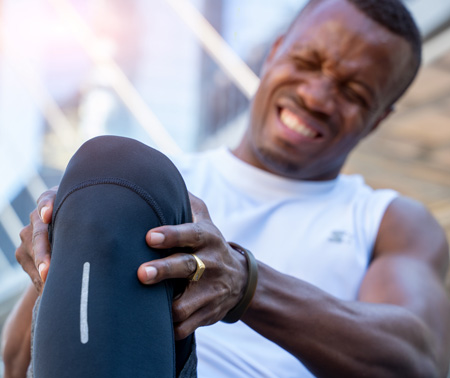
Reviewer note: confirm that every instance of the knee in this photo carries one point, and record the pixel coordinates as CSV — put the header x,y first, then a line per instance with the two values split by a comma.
x,y
119,158
110,152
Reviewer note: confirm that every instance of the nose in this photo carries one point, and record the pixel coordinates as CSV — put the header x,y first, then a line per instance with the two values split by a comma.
x,y
317,93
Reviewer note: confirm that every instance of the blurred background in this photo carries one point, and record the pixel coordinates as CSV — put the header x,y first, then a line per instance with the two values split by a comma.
x,y
178,75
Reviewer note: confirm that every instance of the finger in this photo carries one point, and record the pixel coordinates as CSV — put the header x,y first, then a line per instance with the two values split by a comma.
x,y
203,316
179,265
45,204
189,303
25,259
181,330
29,267
191,235
197,296
40,245
199,209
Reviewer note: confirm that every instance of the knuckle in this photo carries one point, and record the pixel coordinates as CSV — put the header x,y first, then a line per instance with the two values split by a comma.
x,y
37,234
165,268
200,203
209,233
24,233
180,312
199,208
190,264
176,235
19,255
216,236
198,232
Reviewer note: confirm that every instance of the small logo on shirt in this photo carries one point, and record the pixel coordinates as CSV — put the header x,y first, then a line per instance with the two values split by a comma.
x,y
340,237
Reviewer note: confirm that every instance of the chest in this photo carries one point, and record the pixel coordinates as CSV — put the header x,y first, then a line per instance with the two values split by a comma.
x,y
317,240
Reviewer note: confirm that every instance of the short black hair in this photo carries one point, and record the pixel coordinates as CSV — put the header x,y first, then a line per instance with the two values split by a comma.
x,y
394,16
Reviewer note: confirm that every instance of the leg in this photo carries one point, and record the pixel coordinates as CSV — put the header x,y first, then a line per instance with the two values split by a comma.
x,y
95,318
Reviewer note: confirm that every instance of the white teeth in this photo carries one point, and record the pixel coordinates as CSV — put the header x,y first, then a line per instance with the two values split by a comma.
x,y
292,122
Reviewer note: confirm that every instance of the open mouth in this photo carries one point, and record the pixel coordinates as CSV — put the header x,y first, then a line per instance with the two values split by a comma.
x,y
294,123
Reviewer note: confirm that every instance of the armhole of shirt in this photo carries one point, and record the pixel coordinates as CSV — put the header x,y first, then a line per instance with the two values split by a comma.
x,y
372,214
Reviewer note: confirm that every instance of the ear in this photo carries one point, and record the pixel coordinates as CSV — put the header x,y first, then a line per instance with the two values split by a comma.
x,y
275,47
382,117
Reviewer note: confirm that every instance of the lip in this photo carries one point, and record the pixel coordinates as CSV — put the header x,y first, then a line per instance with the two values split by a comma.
x,y
294,136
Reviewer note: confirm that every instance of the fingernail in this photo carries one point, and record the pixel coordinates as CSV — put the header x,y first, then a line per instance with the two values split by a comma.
x,y
156,238
151,272
41,267
43,211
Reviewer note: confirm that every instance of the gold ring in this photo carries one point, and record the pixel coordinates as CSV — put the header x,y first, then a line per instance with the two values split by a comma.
x,y
199,271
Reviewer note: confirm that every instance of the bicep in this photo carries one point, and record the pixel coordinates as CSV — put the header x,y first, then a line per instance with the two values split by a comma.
x,y
410,257
408,229
408,268
407,282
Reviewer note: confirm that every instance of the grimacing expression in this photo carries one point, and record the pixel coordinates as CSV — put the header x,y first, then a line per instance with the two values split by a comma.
x,y
324,86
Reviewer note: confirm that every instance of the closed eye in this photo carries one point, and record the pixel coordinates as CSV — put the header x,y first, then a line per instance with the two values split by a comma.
x,y
354,96
305,64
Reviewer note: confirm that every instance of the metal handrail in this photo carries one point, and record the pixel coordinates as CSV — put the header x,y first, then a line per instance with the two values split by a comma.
x,y
117,79
219,50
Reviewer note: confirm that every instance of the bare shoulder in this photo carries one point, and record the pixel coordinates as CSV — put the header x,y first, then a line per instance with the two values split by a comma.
x,y
408,268
410,230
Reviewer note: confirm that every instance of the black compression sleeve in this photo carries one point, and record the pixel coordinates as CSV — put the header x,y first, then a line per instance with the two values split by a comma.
x,y
95,318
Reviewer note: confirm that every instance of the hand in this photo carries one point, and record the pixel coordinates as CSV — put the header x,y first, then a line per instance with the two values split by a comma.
x,y
34,251
223,282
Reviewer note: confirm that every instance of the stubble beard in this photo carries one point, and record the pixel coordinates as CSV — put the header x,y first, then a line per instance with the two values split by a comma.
x,y
276,164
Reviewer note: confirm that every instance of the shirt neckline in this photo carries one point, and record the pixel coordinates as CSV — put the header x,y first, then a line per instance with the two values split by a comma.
x,y
258,182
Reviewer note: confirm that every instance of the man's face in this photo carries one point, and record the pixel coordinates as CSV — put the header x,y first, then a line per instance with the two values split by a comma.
x,y
324,86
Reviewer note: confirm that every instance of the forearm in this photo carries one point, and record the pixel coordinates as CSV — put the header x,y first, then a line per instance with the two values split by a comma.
x,y
339,338
16,336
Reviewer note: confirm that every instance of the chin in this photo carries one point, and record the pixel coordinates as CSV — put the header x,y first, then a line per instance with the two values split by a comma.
x,y
277,164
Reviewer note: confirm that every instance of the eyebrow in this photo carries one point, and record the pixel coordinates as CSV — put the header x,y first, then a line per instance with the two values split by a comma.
x,y
301,47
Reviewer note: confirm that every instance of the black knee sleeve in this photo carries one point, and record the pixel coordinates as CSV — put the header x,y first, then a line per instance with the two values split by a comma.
x,y
95,318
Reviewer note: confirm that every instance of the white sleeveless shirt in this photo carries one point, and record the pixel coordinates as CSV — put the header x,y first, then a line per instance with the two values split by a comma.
x,y
319,232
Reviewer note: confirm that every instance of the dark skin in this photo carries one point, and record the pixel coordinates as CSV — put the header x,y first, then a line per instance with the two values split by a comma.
x,y
16,338
332,78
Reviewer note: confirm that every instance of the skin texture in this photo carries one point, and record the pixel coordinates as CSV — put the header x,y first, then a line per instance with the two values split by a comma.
x,y
324,75
336,72
16,337
398,328
226,273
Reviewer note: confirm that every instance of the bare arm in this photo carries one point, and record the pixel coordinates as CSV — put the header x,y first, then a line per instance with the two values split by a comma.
x,y
16,336
399,327
33,252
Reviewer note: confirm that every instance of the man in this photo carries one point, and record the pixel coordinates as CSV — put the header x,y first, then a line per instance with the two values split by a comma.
x,y
350,279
